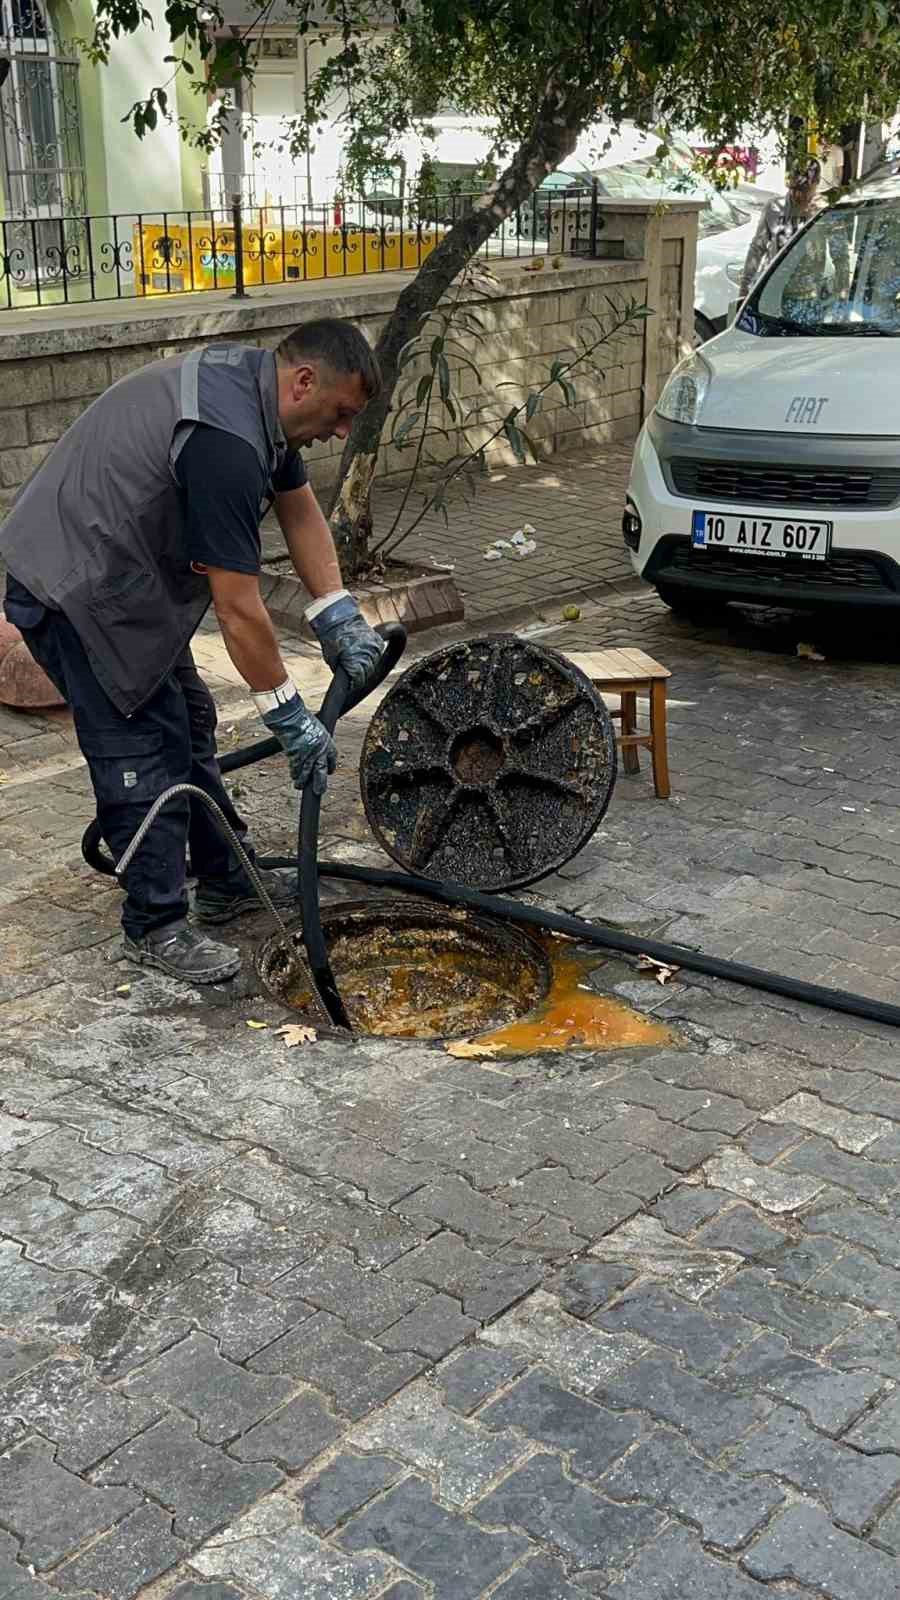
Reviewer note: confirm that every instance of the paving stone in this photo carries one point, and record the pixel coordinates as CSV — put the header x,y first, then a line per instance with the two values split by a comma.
x,y
545,1243
89,1177
485,1286
262,1251
50,1510
548,1138
223,1398
855,1276
539,1579
645,1245
772,1188
30,1295
688,1207
355,1376
590,1532
18,1356
347,1484
831,1398
797,1263
766,1141
590,1209
851,1130
292,1437
710,1416
442,1548
676,1567
702,1340
879,1429
854,1487
543,1410
681,1148
872,1345
241,1320
15,1581
641,1175
404,1591
432,1329
461,1456
805,1545
136,1552
270,1551
586,1285
721,1116
61,1401
866,1179
858,1226
808,1322
206,1488
666,1472
887,1532
474,1375
580,1355
192,1590
742,1230
365,1301
450,1201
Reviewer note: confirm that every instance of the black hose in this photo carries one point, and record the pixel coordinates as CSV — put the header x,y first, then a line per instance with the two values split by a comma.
x,y
605,938
338,700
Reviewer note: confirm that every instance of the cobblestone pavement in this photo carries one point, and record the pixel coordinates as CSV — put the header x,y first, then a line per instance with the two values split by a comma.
x,y
345,1322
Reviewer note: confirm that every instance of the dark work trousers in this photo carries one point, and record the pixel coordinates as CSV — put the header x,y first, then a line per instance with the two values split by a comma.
x,y
132,760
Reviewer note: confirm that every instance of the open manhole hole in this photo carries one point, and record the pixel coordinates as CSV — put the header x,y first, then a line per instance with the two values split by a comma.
x,y
409,970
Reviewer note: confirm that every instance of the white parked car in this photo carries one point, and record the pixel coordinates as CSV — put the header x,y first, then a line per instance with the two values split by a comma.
x,y
769,470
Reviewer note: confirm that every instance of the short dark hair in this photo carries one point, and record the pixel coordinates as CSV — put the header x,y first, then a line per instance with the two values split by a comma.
x,y
340,345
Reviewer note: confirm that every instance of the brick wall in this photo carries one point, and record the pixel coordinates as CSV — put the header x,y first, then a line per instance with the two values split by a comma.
x,y
53,364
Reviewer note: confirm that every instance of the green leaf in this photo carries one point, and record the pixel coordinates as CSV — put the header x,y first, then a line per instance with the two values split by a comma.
x,y
437,346
406,427
533,404
443,376
568,390
424,388
514,436
556,369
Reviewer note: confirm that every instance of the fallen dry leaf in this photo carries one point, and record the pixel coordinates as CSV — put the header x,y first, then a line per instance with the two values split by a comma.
x,y
661,972
123,988
252,1024
808,652
467,1048
296,1033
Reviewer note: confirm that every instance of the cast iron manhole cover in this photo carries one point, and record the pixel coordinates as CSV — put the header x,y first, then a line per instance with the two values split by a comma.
x,y
489,763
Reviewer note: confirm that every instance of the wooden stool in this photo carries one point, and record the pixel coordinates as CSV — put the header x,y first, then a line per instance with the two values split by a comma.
x,y
629,673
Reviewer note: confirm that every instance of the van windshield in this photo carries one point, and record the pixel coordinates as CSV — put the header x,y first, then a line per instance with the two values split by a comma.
x,y
840,276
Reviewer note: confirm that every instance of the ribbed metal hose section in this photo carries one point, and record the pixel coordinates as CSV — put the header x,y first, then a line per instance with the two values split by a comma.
x,y
218,814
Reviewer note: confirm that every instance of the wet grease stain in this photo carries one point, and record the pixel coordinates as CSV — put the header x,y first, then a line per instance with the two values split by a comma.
x,y
573,1015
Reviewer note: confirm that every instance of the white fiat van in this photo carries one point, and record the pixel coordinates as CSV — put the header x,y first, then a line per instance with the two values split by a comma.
x,y
769,471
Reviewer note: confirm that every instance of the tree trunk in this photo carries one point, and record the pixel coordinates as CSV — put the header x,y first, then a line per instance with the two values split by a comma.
x,y
553,137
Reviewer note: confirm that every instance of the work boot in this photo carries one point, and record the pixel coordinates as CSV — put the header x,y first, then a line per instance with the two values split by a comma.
x,y
223,900
182,953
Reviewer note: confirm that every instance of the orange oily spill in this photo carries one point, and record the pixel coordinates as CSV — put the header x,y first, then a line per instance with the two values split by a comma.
x,y
573,1015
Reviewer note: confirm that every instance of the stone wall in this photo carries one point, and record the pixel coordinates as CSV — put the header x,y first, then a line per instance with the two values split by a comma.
x,y
54,363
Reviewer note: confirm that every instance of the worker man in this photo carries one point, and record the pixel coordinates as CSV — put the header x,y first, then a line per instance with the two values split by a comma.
x,y
143,513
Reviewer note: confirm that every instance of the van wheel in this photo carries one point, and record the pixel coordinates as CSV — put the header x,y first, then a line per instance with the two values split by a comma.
x,y
699,608
703,329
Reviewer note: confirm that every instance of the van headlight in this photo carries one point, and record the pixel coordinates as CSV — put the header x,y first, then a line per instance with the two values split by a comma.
x,y
683,396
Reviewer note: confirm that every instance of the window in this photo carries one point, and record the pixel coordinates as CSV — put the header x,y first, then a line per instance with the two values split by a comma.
x,y
40,133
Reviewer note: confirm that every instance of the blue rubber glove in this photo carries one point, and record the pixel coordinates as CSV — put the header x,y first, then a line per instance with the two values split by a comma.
x,y
347,640
310,749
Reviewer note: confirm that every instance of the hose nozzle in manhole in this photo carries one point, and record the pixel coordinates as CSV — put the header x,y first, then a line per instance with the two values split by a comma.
x,y
408,970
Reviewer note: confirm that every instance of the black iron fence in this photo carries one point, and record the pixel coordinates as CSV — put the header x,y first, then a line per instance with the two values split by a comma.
x,y
72,259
